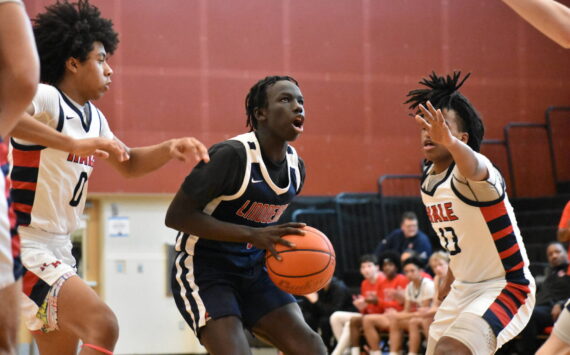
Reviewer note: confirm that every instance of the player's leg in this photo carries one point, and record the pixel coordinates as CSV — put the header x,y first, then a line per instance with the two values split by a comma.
x,y
286,329
469,334
355,327
340,324
373,324
450,346
397,327
83,314
56,342
230,329
9,301
554,346
414,335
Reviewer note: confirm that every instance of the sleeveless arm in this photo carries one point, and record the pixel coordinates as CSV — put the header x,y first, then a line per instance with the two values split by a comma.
x,y
490,189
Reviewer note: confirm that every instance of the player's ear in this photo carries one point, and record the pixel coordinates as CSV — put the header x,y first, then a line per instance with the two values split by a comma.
x,y
259,114
464,137
72,64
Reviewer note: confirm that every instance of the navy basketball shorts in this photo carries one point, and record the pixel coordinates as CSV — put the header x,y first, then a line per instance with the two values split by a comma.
x,y
204,292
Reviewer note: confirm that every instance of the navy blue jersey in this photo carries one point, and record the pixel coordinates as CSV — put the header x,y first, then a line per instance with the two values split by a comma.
x,y
259,202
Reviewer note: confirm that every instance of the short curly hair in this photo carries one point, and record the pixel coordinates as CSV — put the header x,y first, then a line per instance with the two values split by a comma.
x,y
67,30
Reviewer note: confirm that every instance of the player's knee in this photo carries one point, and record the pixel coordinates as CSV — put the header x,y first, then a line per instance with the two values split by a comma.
x,y
315,343
450,346
104,328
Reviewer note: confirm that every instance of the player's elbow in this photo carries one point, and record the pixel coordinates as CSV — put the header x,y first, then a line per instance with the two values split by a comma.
x,y
173,220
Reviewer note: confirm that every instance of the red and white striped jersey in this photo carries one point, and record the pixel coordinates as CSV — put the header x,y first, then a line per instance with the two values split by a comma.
x,y
49,186
481,234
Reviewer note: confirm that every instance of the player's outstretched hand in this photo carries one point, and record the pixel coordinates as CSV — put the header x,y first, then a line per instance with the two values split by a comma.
x,y
434,123
99,147
188,149
267,237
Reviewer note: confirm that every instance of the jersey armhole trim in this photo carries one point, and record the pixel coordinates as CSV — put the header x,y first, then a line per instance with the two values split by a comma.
x,y
476,203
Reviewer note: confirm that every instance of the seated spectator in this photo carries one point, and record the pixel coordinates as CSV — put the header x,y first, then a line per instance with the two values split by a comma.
x,y
419,295
392,299
563,233
411,253
439,263
408,236
366,302
550,298
317,307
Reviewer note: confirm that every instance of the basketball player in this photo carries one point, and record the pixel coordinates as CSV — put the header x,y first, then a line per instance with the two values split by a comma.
x,y
19,71
548,16
493,292
227,213
49,186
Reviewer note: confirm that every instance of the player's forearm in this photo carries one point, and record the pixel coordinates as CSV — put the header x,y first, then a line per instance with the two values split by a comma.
x,y
549,17
144,160
469,165
33,131
19,65
207,227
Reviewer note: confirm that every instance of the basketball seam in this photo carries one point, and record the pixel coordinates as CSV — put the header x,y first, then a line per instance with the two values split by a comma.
x,y
314,273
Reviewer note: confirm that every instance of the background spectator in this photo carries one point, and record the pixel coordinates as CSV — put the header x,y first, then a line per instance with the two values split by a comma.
x,y
408,236
550,298
318,306
366,303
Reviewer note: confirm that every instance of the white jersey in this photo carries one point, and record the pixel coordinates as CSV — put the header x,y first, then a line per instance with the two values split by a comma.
x,y
481,235
49,186
415,296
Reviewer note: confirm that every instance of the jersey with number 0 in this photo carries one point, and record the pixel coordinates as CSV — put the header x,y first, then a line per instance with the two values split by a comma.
x,y
49,186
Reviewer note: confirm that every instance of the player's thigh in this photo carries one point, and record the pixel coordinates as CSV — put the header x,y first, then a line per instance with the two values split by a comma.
x,y
473,332
80,311
286,329
223,336
56,342
9,306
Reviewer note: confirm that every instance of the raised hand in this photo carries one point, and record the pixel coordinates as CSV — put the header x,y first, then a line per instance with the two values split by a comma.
x,y
267,237
434,123
188,149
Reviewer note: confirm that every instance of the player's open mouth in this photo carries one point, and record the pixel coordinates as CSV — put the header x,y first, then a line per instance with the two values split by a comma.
x,y
428,145
298,123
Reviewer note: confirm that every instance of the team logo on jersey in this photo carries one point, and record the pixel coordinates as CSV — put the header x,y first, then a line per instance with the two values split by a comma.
x,y
89,161
54,264
441,212
261,212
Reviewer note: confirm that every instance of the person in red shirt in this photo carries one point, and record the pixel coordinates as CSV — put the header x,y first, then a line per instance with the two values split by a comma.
x,y
391,295
564,226
366,302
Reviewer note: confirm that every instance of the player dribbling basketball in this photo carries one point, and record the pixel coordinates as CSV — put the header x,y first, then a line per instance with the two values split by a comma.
x,y
227,212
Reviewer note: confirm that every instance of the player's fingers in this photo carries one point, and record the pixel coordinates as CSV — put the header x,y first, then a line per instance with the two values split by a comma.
x,y
432,109
177,154
286,242
294,224
292,231
422,122
101,154
273,252
426,114
203,152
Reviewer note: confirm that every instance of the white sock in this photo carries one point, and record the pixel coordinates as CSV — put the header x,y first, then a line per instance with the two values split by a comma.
x,y
355,350
394,353
375,352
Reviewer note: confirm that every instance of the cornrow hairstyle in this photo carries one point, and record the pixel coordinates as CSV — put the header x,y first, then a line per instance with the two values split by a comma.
x,y
67,30
257,97
443,93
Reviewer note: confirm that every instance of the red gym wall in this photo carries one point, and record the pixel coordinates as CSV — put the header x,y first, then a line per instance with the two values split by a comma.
x,y
183,67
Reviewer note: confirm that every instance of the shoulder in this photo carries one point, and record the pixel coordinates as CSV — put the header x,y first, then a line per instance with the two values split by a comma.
x,y
230,149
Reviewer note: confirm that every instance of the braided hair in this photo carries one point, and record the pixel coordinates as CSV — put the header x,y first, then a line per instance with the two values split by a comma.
x,y
443,93
257,97
67,30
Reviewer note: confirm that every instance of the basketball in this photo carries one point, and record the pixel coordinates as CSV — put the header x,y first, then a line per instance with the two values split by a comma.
x,y
305,269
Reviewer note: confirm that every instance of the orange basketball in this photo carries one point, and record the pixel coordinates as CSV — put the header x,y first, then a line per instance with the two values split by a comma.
x,y
305,269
